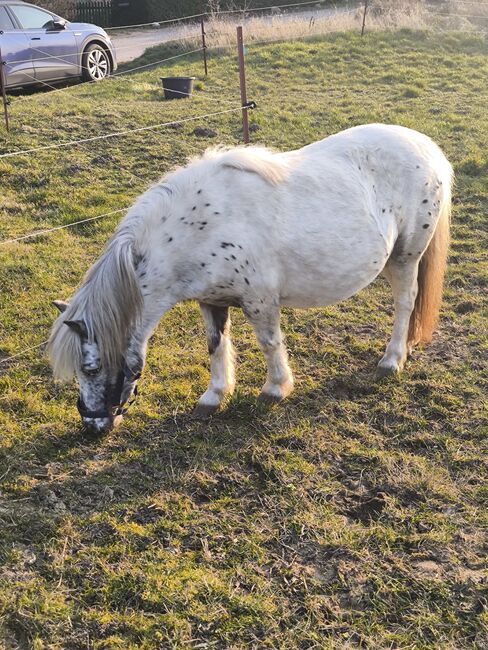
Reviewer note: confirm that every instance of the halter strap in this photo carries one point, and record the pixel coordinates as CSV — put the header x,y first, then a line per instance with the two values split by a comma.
x,y
117,408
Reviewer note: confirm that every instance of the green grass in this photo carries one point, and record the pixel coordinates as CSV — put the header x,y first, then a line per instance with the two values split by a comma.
x,y
354,515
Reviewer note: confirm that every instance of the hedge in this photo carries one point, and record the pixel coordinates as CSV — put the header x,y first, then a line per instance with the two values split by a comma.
x,y
127,12
145,11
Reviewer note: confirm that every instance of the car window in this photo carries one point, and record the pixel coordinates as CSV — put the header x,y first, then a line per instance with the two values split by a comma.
x,y
31,17
5,22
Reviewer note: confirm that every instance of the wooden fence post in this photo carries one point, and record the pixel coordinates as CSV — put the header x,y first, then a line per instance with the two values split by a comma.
x,y
242,82
204,46
3,84
366,3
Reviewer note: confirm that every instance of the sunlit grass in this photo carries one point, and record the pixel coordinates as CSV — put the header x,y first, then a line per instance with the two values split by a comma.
x,y
352,516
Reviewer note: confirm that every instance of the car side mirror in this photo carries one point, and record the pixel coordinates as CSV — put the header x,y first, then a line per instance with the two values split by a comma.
x,y
58,24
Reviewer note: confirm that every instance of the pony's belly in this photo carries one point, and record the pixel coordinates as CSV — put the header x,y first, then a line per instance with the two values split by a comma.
x,y
333,280
321,296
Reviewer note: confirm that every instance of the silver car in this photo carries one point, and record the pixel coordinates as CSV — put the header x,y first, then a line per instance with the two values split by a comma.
x,y
38,46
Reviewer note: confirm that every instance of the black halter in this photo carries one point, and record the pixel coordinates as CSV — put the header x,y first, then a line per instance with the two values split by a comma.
x,y
116,396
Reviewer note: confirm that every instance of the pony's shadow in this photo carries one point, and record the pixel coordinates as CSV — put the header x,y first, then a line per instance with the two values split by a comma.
x,y
113,474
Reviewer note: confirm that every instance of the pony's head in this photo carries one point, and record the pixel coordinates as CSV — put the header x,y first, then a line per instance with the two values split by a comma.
x,y
106,388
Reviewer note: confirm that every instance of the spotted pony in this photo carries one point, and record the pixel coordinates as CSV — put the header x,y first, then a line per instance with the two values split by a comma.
x,y
258,230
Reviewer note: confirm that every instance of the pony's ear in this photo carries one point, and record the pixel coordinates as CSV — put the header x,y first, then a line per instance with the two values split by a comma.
x,y
77,326
61,305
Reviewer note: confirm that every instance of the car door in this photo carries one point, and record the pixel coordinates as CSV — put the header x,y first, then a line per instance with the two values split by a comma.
x,y
54,51
16,52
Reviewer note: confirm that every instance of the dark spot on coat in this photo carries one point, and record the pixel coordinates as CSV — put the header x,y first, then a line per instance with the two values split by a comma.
x,y
194,208
426,225
199,192
214,254
425,201
256,311
246,280
409,254
170,240
202,265
233,257
216,212
430,214
383,210
144,286
207,205
236,270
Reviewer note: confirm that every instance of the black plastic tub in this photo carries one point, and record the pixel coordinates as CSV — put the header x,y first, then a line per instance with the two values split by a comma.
x,y
177,87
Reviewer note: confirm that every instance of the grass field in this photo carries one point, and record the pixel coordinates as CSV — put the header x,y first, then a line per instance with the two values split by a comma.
x,y
352,516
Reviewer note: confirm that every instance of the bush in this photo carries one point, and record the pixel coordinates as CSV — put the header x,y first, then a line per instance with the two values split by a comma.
x,y
64,8
146,11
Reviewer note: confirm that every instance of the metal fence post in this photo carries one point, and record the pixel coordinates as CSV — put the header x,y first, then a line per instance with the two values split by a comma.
x,y
3,84
366,3
242,81
204,47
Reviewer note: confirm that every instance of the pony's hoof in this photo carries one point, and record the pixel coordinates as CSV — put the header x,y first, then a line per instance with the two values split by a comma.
x,y
385,371
204,411
269,399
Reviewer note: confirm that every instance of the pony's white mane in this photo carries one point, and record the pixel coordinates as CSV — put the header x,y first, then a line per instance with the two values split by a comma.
x,y
109,300
271,166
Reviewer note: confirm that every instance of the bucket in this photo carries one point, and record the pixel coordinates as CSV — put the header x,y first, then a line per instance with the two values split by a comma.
x,y
177,87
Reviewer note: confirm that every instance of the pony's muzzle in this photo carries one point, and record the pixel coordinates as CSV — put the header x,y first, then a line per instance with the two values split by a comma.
x,y
97,426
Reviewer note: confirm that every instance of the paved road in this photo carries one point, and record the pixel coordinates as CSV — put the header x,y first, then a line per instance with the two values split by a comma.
x,y
131,44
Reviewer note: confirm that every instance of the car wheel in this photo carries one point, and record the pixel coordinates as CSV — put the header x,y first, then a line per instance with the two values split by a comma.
x,y
96,63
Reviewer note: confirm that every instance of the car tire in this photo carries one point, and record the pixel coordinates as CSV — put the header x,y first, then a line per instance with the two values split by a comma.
x,y
96,63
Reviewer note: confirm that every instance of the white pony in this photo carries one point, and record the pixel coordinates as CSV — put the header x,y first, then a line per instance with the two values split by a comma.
x,y
254,229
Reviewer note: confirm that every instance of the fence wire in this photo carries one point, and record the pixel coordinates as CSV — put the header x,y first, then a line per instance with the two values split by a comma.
x,y
113,77
71,143
23,353
219,13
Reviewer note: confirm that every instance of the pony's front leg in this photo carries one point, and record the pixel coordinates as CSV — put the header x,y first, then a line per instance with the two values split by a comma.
x,y
266,323
222,376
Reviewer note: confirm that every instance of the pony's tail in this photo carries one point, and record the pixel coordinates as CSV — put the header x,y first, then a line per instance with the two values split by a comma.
x,y
432,268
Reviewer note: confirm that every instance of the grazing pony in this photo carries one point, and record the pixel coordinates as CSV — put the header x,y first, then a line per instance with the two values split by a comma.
x,y
255,229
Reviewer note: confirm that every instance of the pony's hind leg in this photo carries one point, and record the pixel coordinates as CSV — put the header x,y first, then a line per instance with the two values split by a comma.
x,y
222,378
403,279
266,323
